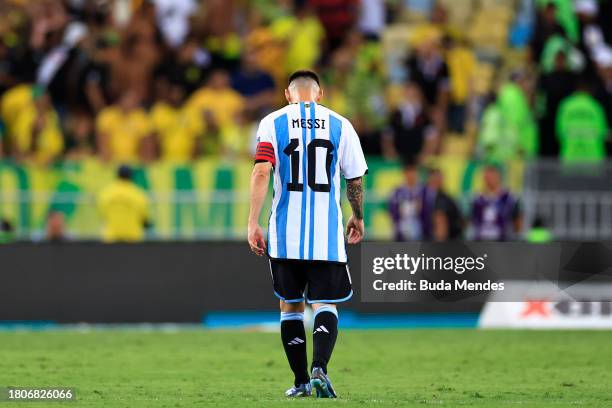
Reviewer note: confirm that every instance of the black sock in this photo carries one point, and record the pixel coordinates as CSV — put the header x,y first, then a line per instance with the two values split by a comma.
x,y
324,336
294,342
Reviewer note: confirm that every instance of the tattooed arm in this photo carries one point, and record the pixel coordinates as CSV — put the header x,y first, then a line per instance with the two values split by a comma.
x,y
355,228
354,193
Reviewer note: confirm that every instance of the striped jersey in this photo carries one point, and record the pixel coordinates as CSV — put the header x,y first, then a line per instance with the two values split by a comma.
x,y
310,146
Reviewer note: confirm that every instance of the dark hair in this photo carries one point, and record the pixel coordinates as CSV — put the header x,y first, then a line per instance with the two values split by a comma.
x,y
5,225
304,73
409,161
433,170
124,172
539,222
493,166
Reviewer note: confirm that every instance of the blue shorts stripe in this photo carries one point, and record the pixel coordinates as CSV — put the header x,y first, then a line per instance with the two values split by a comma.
x,y
291,316
288,300
344,299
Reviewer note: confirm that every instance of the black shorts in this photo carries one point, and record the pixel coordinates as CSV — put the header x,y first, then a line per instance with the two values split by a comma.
x,y
313,281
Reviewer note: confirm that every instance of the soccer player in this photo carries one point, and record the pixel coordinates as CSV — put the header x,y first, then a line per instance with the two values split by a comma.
x,y
307,146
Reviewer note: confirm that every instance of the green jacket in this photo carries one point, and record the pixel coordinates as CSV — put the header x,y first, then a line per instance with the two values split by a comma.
x,y
496,139
518,116
581,128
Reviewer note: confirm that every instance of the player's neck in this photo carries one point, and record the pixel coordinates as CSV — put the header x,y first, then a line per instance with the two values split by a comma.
x,y
306,100
306,96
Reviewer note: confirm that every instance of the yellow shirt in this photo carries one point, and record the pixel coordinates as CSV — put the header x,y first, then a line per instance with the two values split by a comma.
x,y
124,208
177,129
50,141
461,65
224,104
13,101
303,41
124,131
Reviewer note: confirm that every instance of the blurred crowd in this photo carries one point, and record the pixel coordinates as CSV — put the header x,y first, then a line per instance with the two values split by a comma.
x,y
134,81
137,81
421,210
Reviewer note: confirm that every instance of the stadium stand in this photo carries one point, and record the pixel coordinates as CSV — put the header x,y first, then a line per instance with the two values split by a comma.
x,y
176,89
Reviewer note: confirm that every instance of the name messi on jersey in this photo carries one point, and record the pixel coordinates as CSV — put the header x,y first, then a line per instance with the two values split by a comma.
x,y
308,123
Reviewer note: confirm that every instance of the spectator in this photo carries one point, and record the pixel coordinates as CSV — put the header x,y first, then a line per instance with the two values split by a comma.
x,y
177,127
410,134
495,213
497,140
428,70
406,206
36,133
582,127
372,16
189,66
514,100
7,234
14,101
173,19
302,36
591,35
337,17
220,104
221,107
140,49
554,87
80,135
255,85
461,65
92,84
546,26
364,84
124,208
123,129
56,227
442,219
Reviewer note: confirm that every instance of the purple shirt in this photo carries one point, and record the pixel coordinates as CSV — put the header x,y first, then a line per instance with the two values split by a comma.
x,y
493,217
406,210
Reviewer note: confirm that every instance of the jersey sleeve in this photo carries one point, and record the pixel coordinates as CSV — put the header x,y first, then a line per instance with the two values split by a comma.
x,y
352,160
265,144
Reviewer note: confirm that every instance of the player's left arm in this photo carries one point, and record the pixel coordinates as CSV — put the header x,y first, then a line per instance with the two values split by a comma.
x,y
355,228
354,167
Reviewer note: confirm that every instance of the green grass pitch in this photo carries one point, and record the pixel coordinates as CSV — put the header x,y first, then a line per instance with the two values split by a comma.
x,y
370,368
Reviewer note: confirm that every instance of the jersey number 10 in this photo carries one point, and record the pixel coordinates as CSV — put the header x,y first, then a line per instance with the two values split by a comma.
x,y
291,151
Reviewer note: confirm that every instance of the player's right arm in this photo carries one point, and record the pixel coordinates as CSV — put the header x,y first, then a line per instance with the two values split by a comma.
x,y
260,179
265,159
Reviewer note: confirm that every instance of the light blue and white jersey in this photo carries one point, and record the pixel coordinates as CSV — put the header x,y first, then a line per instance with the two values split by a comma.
x,y
310,146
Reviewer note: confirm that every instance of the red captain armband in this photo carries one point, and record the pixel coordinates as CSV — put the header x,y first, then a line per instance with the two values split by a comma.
x,y
265,153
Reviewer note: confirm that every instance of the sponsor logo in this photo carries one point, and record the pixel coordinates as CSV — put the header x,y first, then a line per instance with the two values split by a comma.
x,y
295,341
